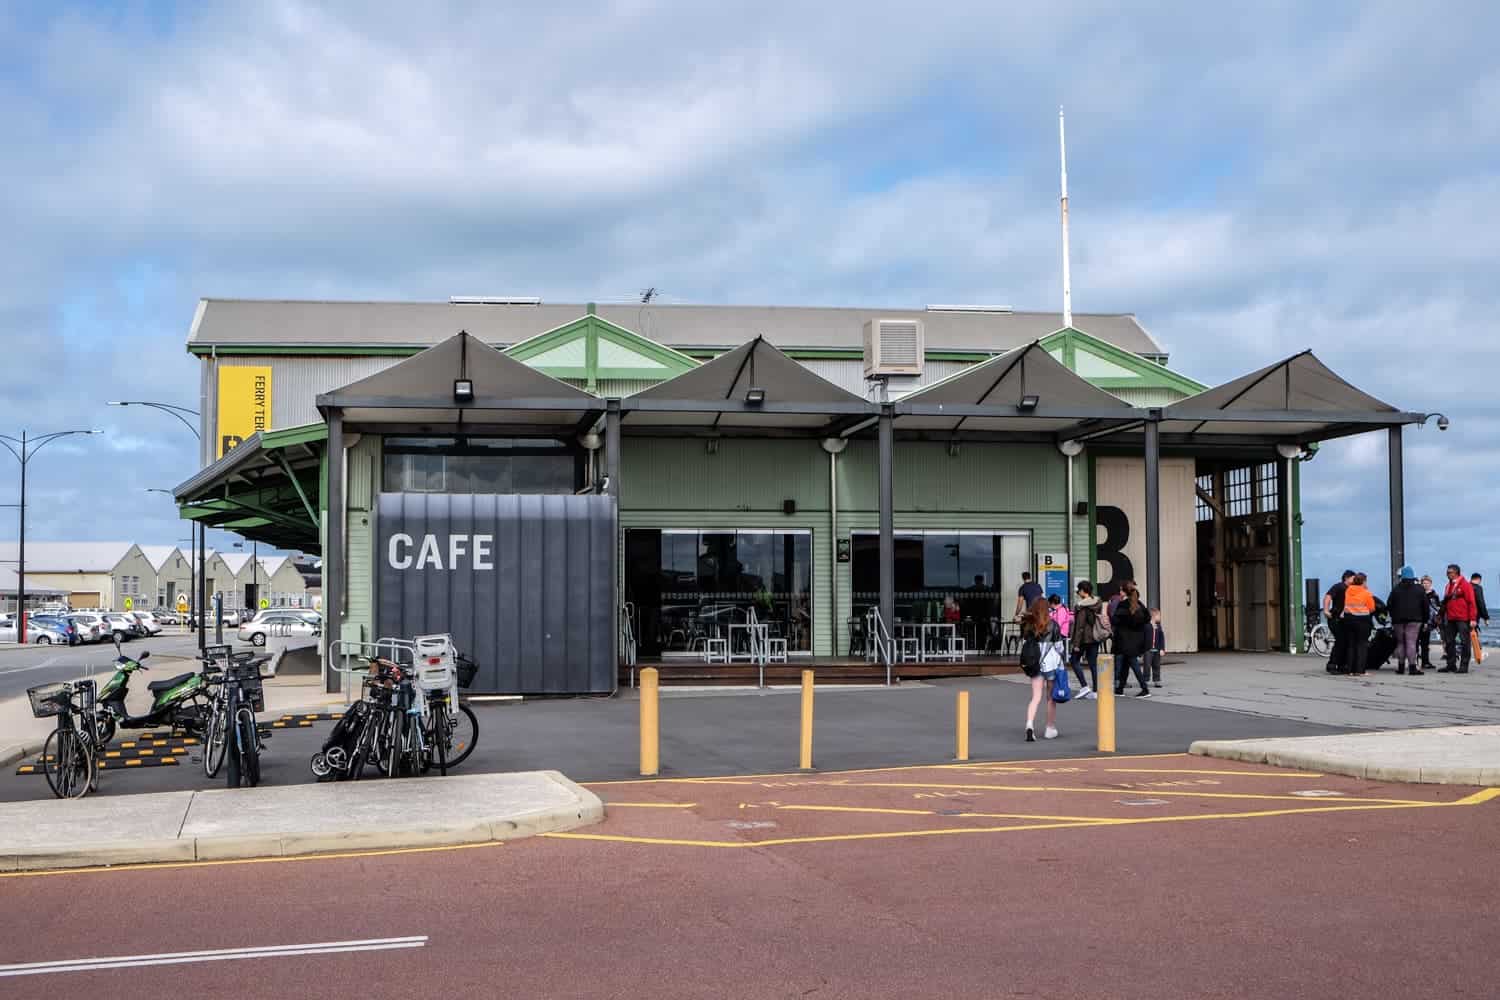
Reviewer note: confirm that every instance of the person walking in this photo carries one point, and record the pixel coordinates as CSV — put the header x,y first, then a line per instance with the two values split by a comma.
x,y
1131,626
1408,607
1158,647
1090,628
1480,608
1460,614
1333,607
1359,611
1432,621
1038,631
1058,612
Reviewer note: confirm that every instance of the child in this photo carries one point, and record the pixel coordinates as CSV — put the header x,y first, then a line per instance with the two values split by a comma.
x,y
1158,647
1058,612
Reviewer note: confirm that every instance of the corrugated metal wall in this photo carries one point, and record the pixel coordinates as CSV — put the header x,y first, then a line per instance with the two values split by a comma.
x,y
359,537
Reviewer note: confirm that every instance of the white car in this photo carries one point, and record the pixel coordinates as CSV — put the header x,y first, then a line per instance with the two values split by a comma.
x,y
146,618
279,624
91,627
122,627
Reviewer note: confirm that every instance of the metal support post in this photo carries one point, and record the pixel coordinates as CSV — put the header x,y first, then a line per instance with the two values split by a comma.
x,y
1105,704
1398,503
887,520
333,555
650,724
961,728
805,756
1153,511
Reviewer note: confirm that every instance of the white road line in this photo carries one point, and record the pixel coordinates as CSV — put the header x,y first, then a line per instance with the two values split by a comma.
x,y
215,955
40,666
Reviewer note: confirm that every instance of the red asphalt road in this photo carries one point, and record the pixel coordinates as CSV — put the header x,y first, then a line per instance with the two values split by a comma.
x,y
1388,900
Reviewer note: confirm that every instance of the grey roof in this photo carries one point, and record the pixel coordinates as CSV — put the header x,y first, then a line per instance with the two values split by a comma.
x,y
236,561
67,557
157,555
756,364
264,322
398,393
1002,382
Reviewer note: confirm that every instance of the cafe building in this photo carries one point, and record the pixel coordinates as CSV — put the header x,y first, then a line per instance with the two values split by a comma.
x,y
728,492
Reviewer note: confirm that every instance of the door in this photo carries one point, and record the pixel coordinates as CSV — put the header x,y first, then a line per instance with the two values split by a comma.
x,y
84,599
1121,540
1253,608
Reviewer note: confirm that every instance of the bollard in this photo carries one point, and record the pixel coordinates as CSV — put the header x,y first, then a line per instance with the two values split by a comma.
x,y
961,741
650,724
807,720
1106,703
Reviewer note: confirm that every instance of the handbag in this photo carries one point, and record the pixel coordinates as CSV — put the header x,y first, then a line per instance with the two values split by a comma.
x,y
1054,658
1060,691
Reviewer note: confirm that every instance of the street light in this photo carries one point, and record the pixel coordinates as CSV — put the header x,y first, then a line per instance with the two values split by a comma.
x,y
28,446
173,409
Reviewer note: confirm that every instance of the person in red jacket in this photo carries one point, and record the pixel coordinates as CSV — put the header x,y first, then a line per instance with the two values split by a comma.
x,y
1460,615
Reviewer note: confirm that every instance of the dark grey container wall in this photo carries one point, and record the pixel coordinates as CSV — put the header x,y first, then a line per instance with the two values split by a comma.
x,y
540,620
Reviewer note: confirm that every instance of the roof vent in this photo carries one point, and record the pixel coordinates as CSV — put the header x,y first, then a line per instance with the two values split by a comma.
x,y
494,300
969,309
893,347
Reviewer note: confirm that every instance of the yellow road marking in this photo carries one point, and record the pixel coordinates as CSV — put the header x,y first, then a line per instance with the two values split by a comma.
x,y
1237,774
1111,791
651,805
157,865
731,778
1483,795
934,812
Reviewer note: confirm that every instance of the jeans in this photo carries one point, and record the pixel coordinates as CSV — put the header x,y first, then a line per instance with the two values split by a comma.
x,y
1153,664
1406,643
1339,658
1128,662
1356,642
1088,652
1456,644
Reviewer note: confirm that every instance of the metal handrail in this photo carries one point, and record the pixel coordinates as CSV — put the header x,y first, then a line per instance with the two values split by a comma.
x,y
882,645
627,636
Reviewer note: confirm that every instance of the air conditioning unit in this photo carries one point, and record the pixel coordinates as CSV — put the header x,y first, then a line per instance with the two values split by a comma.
x,y
893,347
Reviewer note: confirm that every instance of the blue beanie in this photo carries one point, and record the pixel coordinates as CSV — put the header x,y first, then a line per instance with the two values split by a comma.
x,y
1407,573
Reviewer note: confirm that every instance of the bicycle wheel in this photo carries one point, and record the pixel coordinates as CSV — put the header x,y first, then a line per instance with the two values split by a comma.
x,y
1321,640
249,742
362,746
395,751
69,764
215,740
463,733
437,738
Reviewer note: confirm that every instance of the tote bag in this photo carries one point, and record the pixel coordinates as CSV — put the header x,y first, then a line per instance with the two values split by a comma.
x,y
1060,690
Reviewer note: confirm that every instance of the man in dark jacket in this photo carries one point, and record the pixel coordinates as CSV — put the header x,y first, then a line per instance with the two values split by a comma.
x,y
1477,583
1460,614
1333,607
1433,620
1408,609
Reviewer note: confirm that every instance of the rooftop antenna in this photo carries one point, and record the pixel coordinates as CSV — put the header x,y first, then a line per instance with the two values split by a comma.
x,y
647,294
1062,147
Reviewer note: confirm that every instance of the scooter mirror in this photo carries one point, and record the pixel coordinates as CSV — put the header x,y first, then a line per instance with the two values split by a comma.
x,y
144,655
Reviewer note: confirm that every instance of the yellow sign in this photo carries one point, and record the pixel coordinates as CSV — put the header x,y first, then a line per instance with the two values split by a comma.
x,y
244,404
129,604
264,603
182,604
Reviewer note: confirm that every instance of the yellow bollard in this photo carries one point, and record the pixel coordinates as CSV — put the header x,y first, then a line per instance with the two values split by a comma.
x,y
961,747
650,724
807,720
1106,704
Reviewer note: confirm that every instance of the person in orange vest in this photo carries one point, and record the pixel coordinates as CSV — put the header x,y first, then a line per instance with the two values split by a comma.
x,y
1359,611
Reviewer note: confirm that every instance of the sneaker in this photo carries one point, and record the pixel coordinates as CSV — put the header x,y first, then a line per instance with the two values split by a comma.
x,y
1417,672
1091,696
1030,735
1156,684
1143,693
1087,692
1050,733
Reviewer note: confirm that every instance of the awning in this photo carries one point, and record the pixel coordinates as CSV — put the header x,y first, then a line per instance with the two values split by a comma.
x,y
1025,390
420,391
754,387
1298,400
265,490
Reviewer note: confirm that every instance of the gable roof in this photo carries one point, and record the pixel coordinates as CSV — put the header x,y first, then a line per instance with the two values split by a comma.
x,y
157,555
270,564
68,557
727,378
591,348
283,323
236,561
1001,383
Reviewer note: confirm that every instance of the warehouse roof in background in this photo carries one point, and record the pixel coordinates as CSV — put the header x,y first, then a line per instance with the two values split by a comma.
x,y
67,557
285,323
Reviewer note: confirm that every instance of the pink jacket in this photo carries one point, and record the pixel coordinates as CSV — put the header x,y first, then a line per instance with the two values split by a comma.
x,y
1063,617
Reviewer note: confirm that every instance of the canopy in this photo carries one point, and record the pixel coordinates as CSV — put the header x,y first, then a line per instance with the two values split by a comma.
x,y
717,395
265,489
420,390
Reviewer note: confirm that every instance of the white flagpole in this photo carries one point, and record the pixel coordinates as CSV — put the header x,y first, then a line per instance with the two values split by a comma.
x,y
1067,278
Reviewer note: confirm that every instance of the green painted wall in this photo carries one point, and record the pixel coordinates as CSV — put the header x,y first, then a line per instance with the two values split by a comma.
x,y
359,538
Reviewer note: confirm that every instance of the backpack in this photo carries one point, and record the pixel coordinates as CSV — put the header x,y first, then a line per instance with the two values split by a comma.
x,y
1031,655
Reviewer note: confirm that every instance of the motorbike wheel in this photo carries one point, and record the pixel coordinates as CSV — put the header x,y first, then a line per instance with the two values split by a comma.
x,y
104,729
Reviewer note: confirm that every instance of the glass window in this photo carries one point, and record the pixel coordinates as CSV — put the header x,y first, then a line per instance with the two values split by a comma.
x,y
481,465
1238,500
976,562
939,562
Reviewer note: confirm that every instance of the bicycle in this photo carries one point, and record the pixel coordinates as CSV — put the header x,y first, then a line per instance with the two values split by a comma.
x,y
216,721
452,727
69,756
246,697
1317,637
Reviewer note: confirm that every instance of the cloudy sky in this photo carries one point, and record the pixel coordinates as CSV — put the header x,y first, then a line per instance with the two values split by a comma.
x,y
1249,184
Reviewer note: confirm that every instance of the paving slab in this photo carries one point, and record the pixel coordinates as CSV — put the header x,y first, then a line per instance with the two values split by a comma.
x,y
1452,755
292,819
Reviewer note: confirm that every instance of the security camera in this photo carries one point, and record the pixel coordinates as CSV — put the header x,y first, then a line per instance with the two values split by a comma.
x,y
1442,423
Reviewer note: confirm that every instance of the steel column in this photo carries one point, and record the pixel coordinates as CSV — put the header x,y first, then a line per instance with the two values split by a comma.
x,y
612,447
1398,502
887,519
22,619
1153,514
333,552
200,599
612,467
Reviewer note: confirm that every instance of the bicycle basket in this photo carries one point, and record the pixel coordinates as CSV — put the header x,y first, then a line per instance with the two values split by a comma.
x,y
47,700
467,670
247,677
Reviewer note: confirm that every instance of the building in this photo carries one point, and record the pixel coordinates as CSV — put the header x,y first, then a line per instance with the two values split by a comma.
x,y
92,574
281,583
533,476
172,575
35,596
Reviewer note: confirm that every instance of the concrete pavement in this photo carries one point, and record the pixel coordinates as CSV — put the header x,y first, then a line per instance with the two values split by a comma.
x,y
1456,755
290,820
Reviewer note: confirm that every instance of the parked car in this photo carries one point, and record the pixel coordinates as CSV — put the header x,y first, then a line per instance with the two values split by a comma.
x,y
91,627
36,632
278,624
61,624
148,622
122,627
166,616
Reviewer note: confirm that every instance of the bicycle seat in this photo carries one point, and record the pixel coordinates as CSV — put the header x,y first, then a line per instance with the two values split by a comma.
x,y
170,682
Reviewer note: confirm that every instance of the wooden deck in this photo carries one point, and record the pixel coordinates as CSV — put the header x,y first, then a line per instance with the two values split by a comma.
x,y
693,673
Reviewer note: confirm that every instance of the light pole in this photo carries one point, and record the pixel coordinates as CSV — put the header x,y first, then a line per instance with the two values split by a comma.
x,y
200,533
28,447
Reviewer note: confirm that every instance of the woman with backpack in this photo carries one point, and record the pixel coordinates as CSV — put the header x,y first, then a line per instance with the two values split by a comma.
x,y
1038,631
1132,637
1090,628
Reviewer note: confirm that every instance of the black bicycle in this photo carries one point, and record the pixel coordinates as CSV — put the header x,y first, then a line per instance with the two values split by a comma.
x,y
245,696
70,758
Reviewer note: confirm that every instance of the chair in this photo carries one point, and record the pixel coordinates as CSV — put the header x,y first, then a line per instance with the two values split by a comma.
x,y
776,650
716,651
909,649
856,637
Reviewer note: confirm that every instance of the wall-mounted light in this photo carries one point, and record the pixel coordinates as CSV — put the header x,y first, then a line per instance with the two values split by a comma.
x,y
1028,403
711,446
463,390
755,396
953,449
1070,448
1289,451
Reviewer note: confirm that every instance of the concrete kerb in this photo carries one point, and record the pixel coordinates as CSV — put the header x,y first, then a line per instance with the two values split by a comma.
x,y
1459,755
557,804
